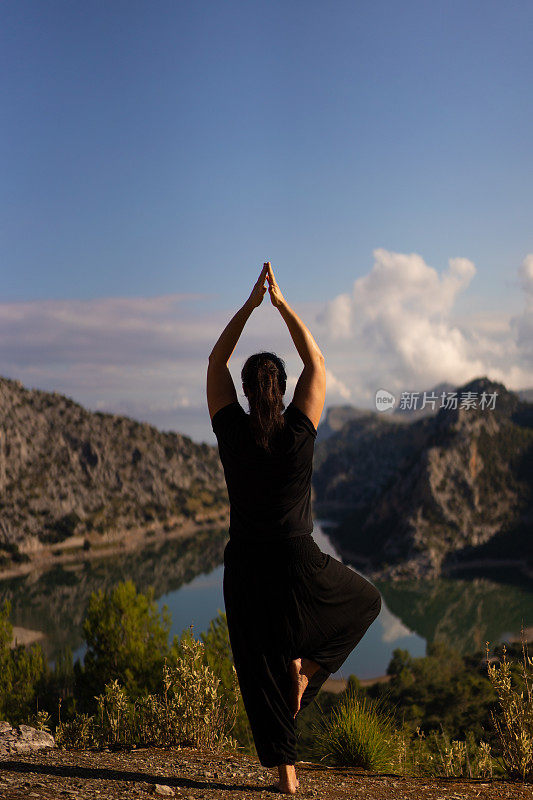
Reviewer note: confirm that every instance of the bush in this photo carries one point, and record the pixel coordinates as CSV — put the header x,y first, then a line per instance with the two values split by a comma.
x,y
441,689
361,732
438,755
77,733
197,697
191,710
126,641
514,723
219,656
22,671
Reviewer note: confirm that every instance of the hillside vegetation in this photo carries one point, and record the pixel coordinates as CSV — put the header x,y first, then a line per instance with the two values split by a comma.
x,y
69,472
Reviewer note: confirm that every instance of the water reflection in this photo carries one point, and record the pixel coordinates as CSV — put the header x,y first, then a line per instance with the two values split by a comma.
x,y
55,601
187,577
462,613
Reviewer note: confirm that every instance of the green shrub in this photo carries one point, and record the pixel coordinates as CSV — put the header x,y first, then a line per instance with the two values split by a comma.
x,y
361,732
126,641
438,755
197,697
442,688
41,720
514,723
191,710
358,732
22,671
219,656
76,733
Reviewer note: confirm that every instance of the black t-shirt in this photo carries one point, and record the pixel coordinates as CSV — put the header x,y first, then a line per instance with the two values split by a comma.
x,y
269,493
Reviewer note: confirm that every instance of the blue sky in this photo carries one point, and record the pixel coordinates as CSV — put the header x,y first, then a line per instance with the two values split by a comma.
x,y
156,153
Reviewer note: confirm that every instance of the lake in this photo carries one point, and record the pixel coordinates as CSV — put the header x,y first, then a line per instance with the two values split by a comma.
x,y
187,577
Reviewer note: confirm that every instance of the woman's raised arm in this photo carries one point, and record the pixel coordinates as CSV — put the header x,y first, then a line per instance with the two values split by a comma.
x,y
310,391
220,386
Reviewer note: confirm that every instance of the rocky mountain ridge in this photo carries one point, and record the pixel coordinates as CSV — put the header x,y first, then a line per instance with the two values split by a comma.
x,y
416,499
66,473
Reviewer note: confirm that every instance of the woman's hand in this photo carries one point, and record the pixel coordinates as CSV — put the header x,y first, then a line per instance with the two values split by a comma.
x,y
258,292
275,293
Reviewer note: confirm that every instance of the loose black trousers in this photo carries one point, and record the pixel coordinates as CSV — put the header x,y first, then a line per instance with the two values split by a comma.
x,y
286,600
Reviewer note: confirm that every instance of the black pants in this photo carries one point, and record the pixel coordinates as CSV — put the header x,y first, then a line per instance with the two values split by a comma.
x,y
284,601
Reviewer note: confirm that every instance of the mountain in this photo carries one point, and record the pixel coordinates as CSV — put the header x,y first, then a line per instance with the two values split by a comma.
x,y
415,496
526,394
424,409
337,416
424,498
67,473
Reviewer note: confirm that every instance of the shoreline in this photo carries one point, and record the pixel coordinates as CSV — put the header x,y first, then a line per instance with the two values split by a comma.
x,y
338,685
450,572
72,551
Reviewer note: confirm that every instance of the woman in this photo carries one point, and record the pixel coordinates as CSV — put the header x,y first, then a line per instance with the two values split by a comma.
x,y
294,613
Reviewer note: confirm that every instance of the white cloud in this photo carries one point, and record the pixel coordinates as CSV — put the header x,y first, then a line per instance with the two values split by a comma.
x,y
522,325
339,316
143,357
336,387
526,275
397,328
147,356
336,390
392,627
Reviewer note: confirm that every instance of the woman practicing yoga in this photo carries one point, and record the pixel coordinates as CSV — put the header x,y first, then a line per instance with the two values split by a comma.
x,y
294,613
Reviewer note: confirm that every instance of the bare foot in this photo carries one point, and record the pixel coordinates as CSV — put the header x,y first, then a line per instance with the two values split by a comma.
x,y
301,671
288,782
299,684
287,786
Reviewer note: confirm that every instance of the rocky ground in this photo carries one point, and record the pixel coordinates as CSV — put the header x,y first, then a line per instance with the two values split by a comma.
x,y
189,773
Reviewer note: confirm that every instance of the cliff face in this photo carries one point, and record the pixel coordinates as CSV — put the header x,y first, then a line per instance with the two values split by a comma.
x,y
420,496
66,471
416,497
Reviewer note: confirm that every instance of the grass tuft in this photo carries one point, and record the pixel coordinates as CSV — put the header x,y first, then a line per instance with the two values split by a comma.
x,y
358,732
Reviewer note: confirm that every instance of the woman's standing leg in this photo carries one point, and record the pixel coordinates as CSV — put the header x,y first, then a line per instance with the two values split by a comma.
x,y
262,672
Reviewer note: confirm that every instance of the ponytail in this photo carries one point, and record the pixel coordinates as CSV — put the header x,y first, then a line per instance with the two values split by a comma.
x,y
264,381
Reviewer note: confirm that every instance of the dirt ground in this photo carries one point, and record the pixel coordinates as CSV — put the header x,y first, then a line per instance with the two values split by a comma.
x,y
189,773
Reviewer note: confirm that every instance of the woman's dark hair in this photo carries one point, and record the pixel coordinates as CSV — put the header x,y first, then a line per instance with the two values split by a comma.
x,y
264,381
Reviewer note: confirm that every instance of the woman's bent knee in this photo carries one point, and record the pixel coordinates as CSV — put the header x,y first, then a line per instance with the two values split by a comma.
x,y
373,603
375,607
